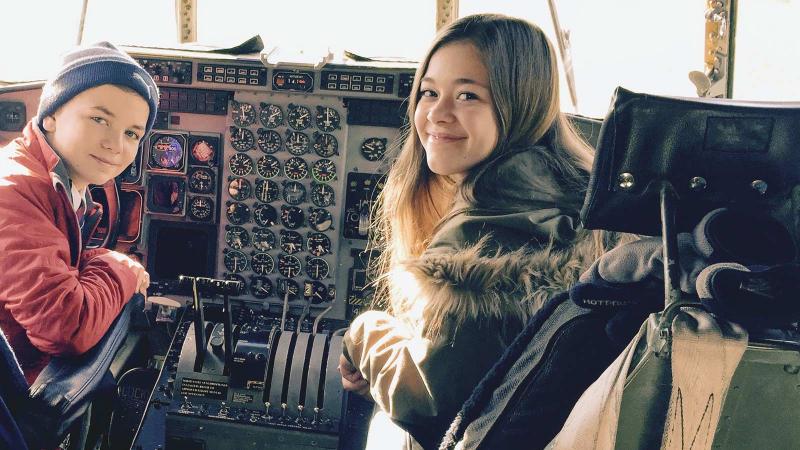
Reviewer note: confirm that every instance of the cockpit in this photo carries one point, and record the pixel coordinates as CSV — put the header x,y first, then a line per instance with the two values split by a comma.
x,y
250,204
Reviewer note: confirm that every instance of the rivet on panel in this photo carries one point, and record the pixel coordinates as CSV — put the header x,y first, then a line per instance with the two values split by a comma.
x,y
626,180
759,186
698,184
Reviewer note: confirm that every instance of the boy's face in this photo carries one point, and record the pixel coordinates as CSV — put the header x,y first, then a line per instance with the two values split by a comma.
x,y
97,133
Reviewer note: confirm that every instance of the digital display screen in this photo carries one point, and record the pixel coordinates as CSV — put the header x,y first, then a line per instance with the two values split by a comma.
x,y
166,195
293,81
167,152
179,249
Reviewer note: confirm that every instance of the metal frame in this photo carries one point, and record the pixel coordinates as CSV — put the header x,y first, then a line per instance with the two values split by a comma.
x,y
446,13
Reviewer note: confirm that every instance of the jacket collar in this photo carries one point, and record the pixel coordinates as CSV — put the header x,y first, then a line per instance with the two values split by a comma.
x,y
35,139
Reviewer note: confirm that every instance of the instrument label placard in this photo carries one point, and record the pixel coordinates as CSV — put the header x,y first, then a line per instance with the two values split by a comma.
x,y
204,388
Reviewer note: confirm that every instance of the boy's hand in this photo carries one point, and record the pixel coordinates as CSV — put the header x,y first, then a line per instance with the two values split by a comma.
x,y
352,380
142,277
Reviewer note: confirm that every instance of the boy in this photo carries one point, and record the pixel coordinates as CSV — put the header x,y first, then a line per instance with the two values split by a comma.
x,y
57,298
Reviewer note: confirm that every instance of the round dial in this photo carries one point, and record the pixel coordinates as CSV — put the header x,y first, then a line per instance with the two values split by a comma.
x,y
263,239
315,292
322,195
266,190
299,117
268,166
320,219
327,119
292,217
201,180
285,286
240,164
237,238
242,139
235,261
236,277
289,266
269,141
291,242
265,215
238,213
323,170
318,244
201,208
240,189
373,149
167,152
203,152
325,145
296,143
295,168
260,287
317,268
243,114
271,115
262,263
294,193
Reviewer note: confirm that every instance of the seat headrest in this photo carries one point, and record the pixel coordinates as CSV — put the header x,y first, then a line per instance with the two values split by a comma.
x,y
714,152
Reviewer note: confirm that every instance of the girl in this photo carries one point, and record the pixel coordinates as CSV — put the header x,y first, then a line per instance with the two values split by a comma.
x,y
477,224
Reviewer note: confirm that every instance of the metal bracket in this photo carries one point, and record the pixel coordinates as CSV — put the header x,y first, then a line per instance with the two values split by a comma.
x,y
446,12
187,20
716,79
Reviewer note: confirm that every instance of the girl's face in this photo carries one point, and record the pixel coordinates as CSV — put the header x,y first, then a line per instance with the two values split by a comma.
x,y
455,117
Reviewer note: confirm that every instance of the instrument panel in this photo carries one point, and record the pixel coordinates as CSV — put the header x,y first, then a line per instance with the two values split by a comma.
x,y
261,176
265,175
284,181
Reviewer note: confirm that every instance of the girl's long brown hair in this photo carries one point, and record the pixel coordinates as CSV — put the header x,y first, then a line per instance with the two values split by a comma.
x,y
524,84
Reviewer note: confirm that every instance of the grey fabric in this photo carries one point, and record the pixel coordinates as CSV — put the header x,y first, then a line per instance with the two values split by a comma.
x,y
641,260
520,370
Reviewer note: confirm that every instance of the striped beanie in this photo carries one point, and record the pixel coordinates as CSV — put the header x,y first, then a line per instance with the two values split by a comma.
x,y
95,65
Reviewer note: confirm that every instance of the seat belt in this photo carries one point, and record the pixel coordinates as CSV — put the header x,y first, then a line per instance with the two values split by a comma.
x,y
705,354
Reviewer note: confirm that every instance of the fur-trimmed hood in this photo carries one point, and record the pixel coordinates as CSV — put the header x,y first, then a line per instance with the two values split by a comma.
x,y
500,266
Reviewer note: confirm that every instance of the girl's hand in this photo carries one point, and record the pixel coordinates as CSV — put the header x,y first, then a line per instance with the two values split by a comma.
x,y
352,380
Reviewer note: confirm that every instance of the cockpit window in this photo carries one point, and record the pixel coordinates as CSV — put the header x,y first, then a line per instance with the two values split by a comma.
x,y
365,27
38,32
647,46
383,28
767,51
644,46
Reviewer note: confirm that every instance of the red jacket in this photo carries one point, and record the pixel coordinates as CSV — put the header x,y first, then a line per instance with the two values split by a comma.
x,y
55,297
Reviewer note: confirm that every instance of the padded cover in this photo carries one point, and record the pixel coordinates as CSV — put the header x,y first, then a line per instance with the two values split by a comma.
x,y
13,392
729,144
13,387
10,436
131,208
63,390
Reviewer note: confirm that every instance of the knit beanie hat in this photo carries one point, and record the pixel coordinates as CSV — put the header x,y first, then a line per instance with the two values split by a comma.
x,y
94,65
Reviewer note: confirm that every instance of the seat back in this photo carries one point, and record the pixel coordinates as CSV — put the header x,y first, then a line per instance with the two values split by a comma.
x,y
710,154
